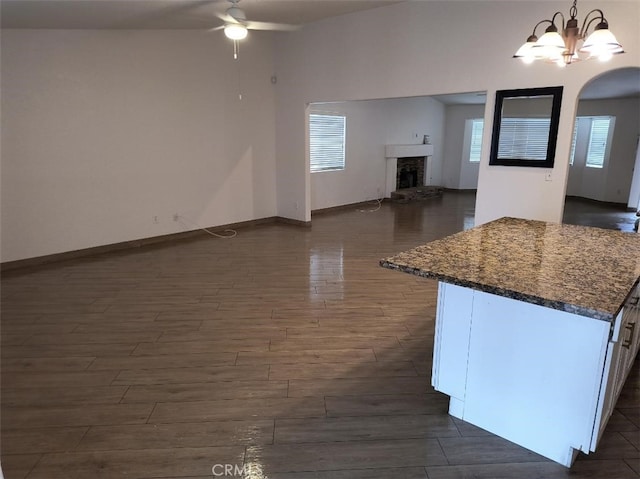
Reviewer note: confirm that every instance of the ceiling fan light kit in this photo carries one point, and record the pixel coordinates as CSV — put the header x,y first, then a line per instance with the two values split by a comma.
x,y
235,31
561,49
236,26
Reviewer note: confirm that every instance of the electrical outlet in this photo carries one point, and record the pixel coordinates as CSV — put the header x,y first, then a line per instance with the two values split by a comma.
x,y
176,216
548,177
155,220
295,205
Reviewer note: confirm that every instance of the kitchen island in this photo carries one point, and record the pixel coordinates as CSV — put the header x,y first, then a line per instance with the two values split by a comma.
x,y
535,328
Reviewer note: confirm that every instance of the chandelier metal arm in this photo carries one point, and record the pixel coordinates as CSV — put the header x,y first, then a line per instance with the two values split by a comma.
x,y
538,24
553,19
587,23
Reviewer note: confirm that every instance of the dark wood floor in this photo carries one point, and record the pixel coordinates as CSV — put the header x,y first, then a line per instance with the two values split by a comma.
x,y
585,212
285,350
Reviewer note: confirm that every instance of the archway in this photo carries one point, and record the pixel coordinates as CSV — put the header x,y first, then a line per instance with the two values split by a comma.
x,y
604,172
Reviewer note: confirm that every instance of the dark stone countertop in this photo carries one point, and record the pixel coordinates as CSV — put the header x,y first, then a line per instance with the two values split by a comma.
x,y
583,270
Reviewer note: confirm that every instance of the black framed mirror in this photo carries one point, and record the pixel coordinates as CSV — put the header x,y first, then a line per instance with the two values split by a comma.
x,y
525,127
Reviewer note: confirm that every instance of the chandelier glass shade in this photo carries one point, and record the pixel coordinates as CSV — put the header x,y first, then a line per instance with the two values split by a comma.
x,y
562,48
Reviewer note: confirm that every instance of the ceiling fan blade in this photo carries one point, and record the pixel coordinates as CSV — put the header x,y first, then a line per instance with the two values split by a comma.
x,y
215,29
283,27
225,17
162,14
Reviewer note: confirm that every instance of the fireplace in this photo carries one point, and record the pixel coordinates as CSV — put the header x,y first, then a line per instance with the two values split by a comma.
x,y
410,172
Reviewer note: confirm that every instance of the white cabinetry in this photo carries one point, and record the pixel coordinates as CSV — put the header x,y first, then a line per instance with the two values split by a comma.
x,y
542,378
621,352
630,330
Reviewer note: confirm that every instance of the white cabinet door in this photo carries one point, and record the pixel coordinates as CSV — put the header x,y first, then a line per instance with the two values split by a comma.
x,y
621,352
631,333
453,325
607,398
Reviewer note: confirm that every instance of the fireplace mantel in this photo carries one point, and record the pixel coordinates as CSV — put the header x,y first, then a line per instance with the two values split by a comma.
x,y
407,151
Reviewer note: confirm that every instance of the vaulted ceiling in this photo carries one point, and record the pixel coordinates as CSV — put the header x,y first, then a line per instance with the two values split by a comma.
x,y
204,14
168,14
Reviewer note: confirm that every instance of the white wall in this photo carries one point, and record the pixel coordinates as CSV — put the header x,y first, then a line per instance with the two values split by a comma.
x,y
407,120
434,50
103,130
370,126
613,181
459,173
364,173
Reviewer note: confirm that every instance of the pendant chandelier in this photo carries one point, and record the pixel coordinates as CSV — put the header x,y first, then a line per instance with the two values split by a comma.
x,y
561,49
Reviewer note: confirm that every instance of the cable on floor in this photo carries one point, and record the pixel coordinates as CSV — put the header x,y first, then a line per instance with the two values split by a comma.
x,y
378,201
232,233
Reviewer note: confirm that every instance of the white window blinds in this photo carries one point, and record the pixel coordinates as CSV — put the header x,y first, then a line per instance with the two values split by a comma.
x,y
598,142
476,140
327,142
524,138
573,143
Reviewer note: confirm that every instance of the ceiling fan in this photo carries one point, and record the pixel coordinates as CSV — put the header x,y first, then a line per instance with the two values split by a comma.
x,y
236,25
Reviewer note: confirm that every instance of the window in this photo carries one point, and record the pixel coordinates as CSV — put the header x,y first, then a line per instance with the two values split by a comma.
x,y
326,142
573,143
592,140
598,142
524,138
476,140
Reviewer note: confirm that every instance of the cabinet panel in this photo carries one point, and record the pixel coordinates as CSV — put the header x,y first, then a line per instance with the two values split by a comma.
x,y
453,323
607,397
549,363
